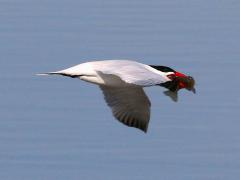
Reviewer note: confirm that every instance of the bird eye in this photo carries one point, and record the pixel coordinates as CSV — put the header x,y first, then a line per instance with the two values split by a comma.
x,y
171,76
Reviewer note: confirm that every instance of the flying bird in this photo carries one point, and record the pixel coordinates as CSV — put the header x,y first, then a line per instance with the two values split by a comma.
x,y
122,83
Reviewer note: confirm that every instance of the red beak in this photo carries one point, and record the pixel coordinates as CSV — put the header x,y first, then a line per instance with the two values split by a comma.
x,y
181,83
178,74
185,81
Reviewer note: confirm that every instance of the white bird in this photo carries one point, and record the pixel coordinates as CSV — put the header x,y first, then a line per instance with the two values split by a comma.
x,y
122,83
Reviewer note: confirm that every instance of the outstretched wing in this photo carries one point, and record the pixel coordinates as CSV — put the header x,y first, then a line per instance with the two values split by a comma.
x,y
129,105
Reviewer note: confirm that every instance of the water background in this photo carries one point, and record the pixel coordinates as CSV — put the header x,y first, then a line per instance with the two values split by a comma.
x,y
60,128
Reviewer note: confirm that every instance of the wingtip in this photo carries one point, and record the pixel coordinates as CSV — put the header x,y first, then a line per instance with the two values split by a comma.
x,y
143,128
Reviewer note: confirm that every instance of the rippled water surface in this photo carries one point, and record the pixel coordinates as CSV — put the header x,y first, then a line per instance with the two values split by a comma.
x,y
60,128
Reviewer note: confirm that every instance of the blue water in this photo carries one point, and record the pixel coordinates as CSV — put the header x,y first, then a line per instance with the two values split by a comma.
x,y
60,128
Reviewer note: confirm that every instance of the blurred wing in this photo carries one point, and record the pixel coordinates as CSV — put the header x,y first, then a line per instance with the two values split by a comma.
x,y
132,72
129,105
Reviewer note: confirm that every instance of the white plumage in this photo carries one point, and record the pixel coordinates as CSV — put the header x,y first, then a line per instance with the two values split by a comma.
x,y
122,83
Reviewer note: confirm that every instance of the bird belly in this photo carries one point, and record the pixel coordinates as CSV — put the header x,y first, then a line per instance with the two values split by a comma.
x,y
92,79
104,79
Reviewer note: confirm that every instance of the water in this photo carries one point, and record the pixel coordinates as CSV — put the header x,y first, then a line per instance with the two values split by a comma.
x,y
60,128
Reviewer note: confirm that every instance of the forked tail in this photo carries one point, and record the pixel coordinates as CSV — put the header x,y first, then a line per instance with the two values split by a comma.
x,y
49,73
58,73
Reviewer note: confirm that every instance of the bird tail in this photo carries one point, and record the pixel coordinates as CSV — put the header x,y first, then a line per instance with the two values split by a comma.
x,y
49,73
58,73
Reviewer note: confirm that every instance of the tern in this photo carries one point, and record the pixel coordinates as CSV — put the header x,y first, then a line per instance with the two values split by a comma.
x,y
122,83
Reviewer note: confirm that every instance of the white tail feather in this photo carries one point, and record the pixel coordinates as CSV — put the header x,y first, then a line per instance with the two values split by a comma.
x,y
48,73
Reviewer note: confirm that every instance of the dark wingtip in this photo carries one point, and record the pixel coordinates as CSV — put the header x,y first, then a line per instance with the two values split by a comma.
x,y
145,131
135,123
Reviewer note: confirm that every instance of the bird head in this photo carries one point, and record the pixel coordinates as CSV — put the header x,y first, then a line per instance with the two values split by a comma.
x,y
185,81
178,80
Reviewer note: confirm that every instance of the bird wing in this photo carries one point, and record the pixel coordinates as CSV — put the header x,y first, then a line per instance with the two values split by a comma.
x,y
132,72
130,105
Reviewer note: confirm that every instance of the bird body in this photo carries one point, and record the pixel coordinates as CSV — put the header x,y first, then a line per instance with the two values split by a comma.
x,y
122,83
103,72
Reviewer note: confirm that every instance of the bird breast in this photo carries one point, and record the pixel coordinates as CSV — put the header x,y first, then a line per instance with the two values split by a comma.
x,y
104,79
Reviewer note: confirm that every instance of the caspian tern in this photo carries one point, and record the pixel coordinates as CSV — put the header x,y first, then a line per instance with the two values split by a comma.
x,y
122,83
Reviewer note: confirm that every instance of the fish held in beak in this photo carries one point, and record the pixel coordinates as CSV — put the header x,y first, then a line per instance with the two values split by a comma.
x,y
189,83
178,81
